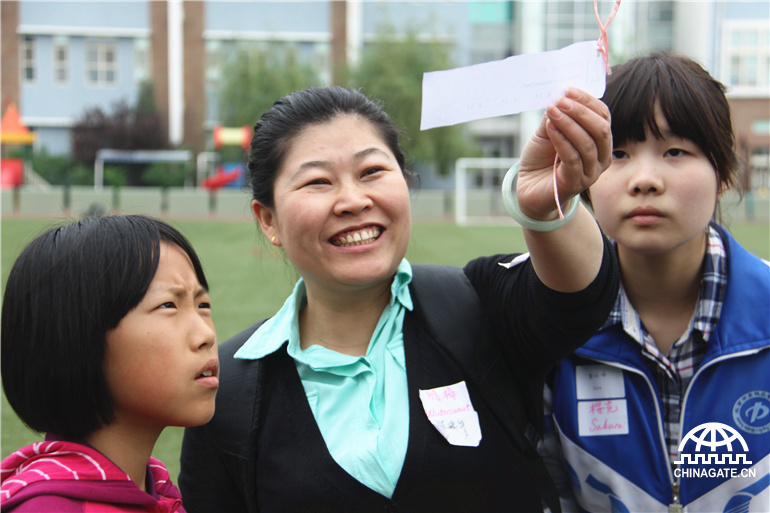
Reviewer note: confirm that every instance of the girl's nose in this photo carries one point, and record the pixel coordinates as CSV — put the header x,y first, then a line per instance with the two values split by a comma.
x,y
646,179
204,334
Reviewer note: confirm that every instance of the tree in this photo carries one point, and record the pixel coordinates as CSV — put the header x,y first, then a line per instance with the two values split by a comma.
x,y
391,70
254,78
59,169
126,128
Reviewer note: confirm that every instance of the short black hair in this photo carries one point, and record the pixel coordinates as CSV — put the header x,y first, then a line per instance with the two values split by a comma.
x,y
66,290
693,102
292,113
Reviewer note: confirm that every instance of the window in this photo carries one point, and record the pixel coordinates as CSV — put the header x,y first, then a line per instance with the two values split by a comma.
x,y
747,55
28,58
101,63
660,12
568,22
61,60
214,57
747,58
141,60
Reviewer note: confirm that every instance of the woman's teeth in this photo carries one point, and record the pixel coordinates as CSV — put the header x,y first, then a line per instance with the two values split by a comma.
x,y
356,238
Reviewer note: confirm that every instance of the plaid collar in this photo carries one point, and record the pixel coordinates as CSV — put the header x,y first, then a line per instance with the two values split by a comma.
x,y
712,292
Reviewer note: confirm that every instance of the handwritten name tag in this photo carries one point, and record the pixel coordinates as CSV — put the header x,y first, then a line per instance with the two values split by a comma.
x,y
603,417
450,411
599,382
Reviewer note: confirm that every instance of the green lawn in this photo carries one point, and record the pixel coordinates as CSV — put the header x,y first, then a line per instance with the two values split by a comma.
x,y
249,279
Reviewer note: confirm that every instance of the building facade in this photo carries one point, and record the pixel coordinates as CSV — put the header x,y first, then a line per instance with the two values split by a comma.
x,y
59,58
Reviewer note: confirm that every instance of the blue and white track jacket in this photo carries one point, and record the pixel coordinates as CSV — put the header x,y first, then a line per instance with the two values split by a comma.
x,y
606,412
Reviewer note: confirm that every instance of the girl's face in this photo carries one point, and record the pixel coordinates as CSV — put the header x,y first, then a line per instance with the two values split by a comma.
x,y
657,196
160,361
341,206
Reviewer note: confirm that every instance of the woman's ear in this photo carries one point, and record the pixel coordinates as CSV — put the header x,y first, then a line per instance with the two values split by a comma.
x,y
266,219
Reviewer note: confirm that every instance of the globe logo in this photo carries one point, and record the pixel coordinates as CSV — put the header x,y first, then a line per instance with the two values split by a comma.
x,y
708,438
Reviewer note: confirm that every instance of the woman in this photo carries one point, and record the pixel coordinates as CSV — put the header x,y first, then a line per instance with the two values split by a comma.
x,y
350,381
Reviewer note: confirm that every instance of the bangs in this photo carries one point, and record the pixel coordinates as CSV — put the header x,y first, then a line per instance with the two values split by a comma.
x,y
655,81
692,102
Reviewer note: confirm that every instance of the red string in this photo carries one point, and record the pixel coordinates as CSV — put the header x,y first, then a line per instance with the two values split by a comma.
x,y
604,49
556,188
603,43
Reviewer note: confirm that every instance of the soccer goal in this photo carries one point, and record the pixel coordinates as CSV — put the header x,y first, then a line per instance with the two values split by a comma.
x,y
477,190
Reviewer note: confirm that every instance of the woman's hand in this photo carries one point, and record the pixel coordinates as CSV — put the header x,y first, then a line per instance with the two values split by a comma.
x,y
577,128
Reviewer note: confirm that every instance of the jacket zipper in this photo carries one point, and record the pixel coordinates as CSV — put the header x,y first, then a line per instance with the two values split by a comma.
x,y
675,506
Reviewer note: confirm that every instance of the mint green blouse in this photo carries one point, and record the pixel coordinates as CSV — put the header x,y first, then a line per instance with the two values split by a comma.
x,y
360,403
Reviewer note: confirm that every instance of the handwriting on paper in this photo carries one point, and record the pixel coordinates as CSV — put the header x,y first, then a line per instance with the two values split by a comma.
x,y
599,382
451,412
508,86
605,417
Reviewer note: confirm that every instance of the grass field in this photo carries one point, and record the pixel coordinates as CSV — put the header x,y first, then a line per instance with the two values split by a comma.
x,y
249,280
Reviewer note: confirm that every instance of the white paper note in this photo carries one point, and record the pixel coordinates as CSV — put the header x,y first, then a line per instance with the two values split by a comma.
x,y
602,418
508,86
599,382
450,411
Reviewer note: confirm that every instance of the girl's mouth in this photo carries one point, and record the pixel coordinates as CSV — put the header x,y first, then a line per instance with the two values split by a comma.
x,y
356,237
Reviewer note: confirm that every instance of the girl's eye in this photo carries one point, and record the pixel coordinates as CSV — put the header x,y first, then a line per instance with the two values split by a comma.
x,y
205,305
619,154
675,152
169,304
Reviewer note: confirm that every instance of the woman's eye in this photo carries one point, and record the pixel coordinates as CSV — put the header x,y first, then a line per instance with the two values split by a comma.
x,y
168,304
205,305
318,181
372,170
619,154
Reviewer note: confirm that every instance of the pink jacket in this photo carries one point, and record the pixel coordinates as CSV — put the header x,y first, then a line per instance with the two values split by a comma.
x,y
57,476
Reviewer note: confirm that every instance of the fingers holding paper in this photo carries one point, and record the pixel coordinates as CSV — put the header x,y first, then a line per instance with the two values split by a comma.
x,y
577,128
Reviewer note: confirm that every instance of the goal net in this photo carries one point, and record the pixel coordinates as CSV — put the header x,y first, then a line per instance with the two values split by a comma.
x,y
477,190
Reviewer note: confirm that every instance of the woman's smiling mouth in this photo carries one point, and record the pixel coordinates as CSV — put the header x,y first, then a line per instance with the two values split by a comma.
x,y
356,237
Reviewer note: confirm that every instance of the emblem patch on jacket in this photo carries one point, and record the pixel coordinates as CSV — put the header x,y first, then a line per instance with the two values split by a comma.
x,y
751,412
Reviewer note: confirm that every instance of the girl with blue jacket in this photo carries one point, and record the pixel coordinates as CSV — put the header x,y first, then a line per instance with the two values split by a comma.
x,y
667,407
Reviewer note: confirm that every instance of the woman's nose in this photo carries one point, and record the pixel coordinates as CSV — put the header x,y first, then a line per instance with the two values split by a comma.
x,y
352,198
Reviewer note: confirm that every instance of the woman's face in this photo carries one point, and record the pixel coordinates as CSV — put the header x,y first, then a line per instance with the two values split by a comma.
x,y
341,206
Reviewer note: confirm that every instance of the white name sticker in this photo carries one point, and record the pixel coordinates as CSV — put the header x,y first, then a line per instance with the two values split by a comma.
x,y
450,411
599,382
602,417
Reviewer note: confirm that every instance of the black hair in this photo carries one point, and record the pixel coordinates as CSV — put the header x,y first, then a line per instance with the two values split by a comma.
x,y
66,290
293,113
692,101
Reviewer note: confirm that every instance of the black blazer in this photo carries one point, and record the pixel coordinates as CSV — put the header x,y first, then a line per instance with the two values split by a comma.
x,y
228,463
219,460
